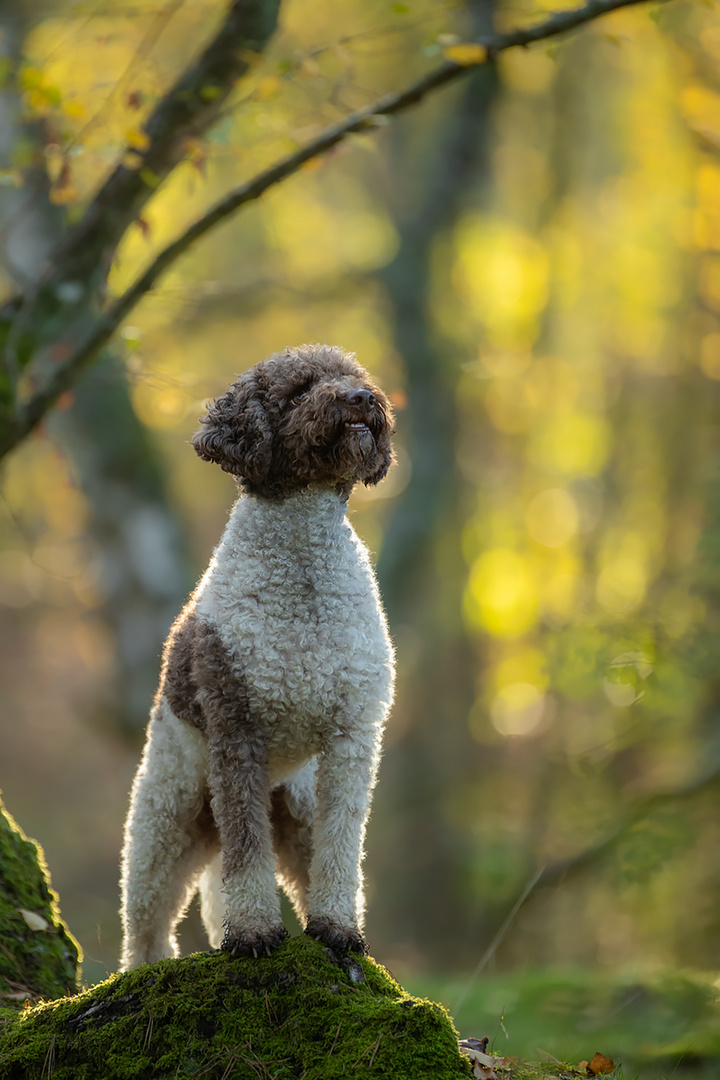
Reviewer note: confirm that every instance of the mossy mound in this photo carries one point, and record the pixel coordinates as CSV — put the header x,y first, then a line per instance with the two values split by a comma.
x,y
302,1013
38,955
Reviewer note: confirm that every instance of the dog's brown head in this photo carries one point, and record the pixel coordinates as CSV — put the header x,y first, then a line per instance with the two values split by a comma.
x,y
306,415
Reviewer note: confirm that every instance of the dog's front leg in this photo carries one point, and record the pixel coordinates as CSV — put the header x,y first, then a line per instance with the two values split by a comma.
x,y
346,775
240,799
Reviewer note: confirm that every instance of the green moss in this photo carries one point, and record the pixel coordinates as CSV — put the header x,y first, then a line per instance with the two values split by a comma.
x,y
302,1013
38,955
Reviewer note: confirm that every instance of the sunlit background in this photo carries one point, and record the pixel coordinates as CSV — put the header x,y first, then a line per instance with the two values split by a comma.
x,y
529,264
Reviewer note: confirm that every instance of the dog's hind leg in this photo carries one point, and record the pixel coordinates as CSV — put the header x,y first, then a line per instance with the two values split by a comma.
x,y
169,837
292,813
212,902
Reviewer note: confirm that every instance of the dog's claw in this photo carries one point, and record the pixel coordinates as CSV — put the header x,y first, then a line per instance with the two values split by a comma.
x,y
336,937
254,944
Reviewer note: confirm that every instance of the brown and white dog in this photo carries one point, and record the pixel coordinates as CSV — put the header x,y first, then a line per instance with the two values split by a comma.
x,y
277,678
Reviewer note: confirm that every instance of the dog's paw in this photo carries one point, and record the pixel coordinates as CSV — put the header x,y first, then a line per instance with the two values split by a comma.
x,y
336,937
254,943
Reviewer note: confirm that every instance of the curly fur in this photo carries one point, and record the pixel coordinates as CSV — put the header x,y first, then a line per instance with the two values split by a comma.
x,y
277,678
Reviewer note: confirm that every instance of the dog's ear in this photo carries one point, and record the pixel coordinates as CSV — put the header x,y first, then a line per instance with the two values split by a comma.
x,y
236,433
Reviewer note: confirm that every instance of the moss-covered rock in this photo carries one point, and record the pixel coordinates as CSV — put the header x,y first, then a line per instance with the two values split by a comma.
x,y
38,955
302,1013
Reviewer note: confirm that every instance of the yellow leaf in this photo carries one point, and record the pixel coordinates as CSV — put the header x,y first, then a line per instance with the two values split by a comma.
x,y
267,87
37,100
30,78
466,54
137,139
63,196
75,110
132,160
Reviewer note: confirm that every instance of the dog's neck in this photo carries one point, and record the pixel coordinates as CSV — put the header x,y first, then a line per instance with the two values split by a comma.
x,y
308,517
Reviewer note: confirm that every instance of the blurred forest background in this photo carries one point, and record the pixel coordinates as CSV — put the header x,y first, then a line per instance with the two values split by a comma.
x,y
529,263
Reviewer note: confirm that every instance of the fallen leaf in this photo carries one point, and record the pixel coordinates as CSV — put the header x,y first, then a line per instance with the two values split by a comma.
x,y
600,1065
34,921
483,1073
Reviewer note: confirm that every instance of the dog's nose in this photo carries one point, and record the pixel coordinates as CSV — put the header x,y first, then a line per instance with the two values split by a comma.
x,y
362,399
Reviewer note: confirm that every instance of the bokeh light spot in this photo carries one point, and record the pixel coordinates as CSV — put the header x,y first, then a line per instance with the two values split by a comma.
x,y
552,517
517,709
501,596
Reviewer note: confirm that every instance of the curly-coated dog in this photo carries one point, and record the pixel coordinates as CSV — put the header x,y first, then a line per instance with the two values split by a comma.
x,y
277,678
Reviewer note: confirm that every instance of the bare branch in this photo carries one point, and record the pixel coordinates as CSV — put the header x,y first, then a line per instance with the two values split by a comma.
x,y
364,119
189,108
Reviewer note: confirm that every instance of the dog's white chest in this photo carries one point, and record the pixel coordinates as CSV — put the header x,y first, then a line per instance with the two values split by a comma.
x,y
293,596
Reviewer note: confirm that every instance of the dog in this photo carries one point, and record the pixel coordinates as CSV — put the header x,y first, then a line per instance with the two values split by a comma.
x,y
277,678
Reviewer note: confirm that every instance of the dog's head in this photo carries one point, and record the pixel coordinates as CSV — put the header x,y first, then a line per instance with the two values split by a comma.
x,y
306,415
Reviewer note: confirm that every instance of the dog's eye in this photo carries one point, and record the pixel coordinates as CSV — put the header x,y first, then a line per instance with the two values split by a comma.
x,y
296,399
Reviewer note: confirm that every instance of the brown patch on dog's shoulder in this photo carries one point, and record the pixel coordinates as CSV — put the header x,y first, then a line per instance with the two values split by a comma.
x,y
237,751
177,682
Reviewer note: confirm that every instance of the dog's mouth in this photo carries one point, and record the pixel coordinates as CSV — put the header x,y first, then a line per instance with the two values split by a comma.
x,y
357,426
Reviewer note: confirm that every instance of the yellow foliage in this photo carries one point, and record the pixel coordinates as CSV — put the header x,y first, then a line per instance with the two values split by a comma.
x,y
710,355
501,596
132,160
137,139
65,195
709,281
531,71
572,444
319,239
502,272
517,709
75,110
707,218
701,106
520,665
552,517
30,78
509,405
623,578
560,594
466,54
268,87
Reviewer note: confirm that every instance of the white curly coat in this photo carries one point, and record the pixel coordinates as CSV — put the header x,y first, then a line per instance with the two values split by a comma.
x,y
291,593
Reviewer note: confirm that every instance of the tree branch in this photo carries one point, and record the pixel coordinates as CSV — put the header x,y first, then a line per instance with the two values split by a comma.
x,y
68,293
189,108
163,129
